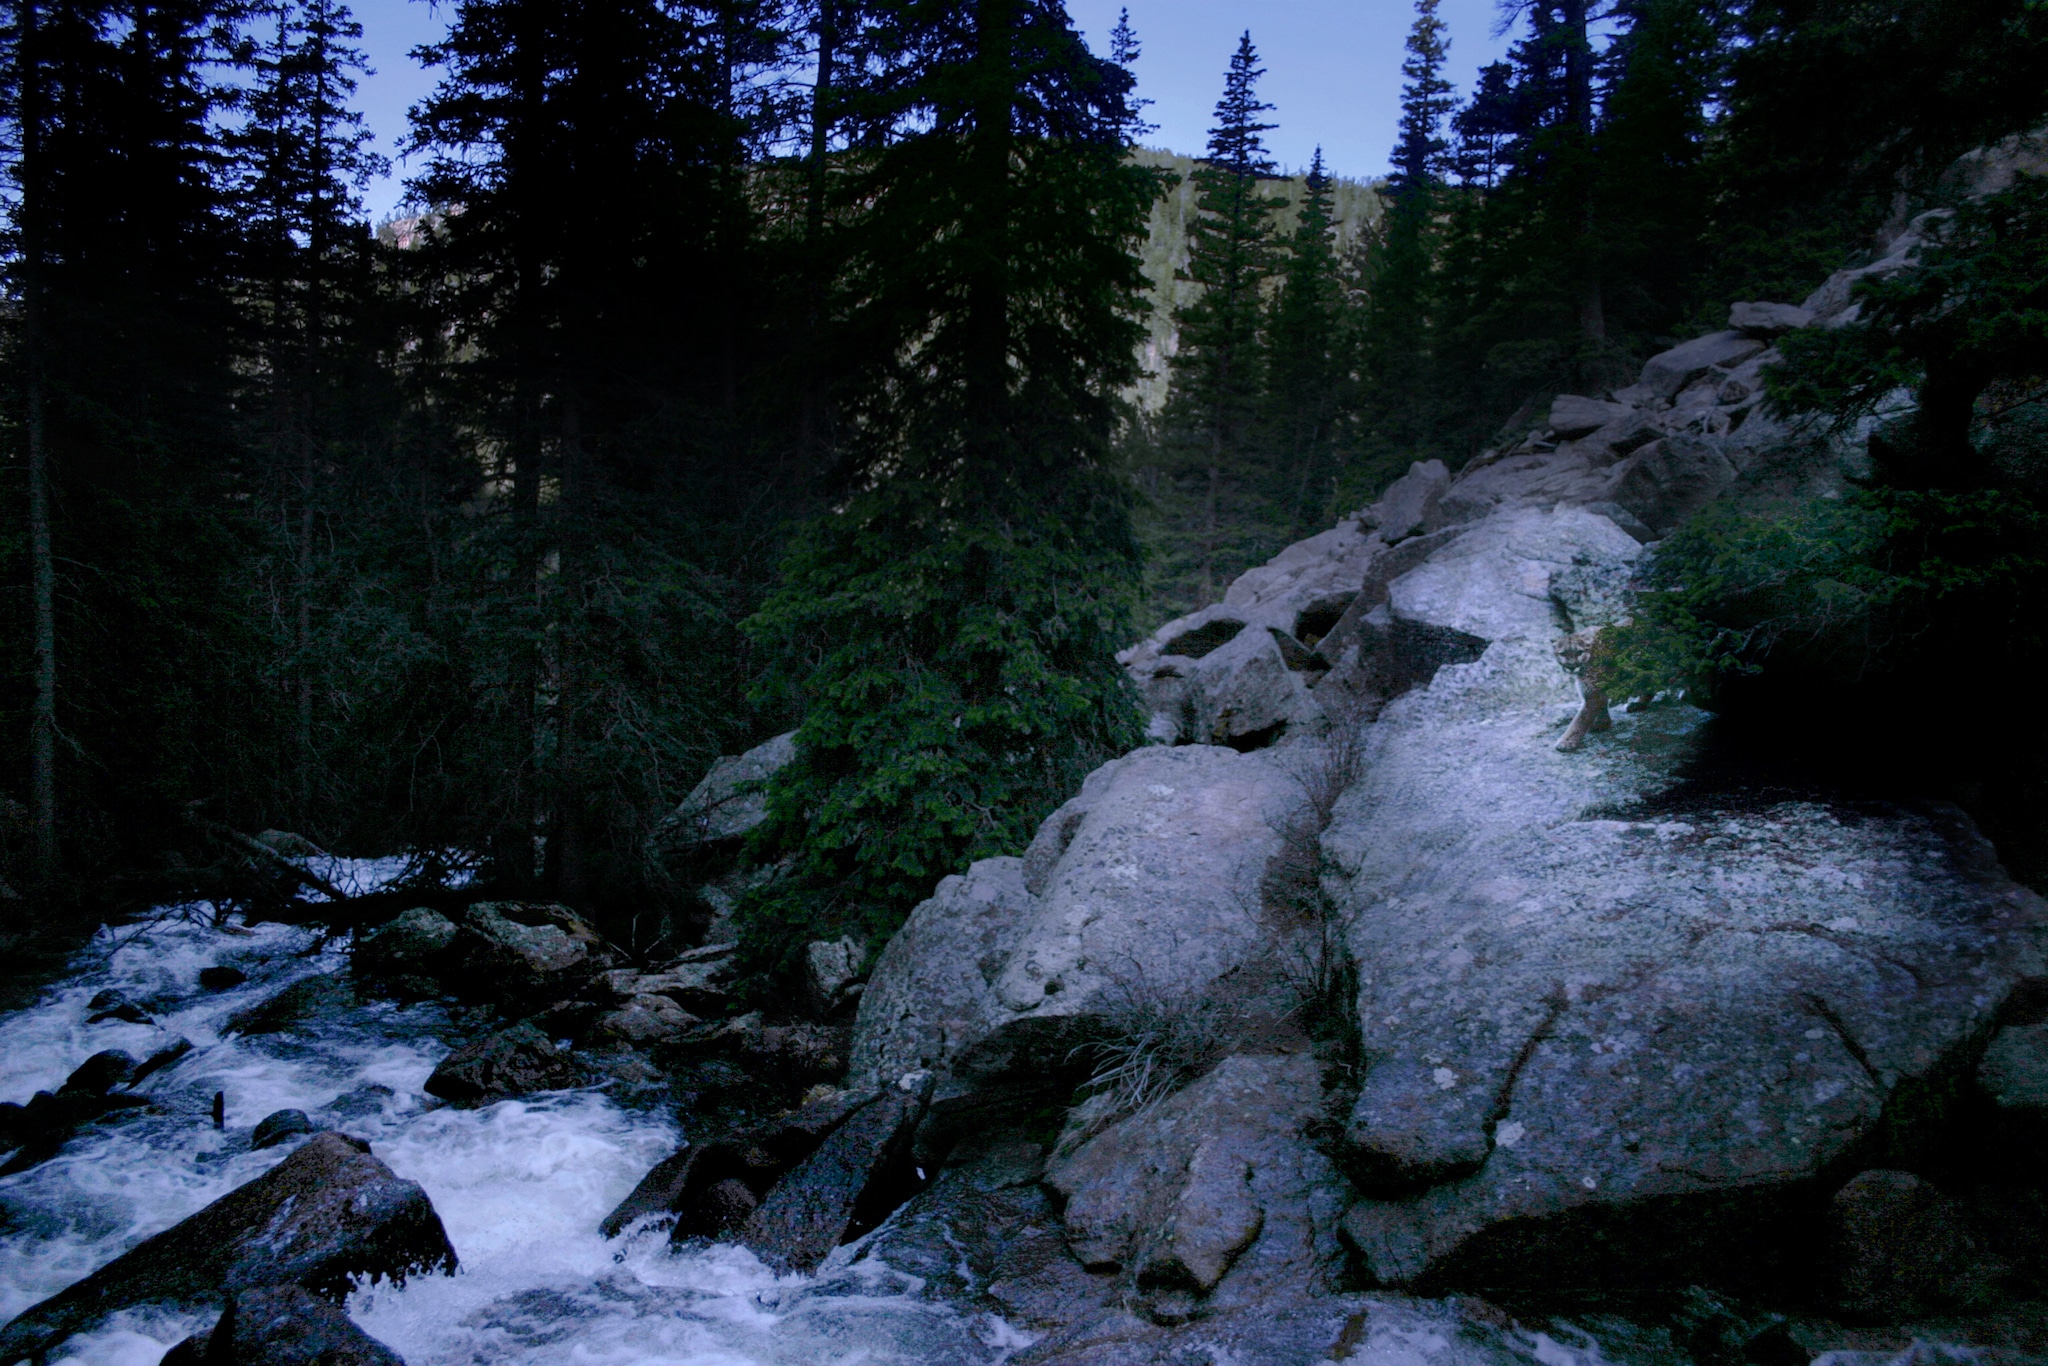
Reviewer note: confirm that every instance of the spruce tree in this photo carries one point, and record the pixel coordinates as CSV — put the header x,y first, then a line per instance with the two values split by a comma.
x,y
1306,369
122,374
1397,341
303,155
1426,101
1218,368
949,627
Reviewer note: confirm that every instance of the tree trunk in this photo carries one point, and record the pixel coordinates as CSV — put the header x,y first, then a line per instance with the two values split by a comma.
x,y
810,417
988,288
42,559
1578,71
567,858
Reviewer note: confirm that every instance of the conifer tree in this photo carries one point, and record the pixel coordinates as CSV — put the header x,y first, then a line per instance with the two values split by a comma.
x,y
1306,355
1218,370
949,627
121,376
1426,101
303,156
1397,340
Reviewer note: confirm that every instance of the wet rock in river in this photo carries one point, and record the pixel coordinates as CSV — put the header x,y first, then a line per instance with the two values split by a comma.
x,y
408,952
756,1154
283,1325
101,1073
511,1062
860,1173
112,1005
278,1126
221,978
327,1214
300,1003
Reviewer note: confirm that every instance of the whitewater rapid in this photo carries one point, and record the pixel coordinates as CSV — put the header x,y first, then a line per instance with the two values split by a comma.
x,y
519,1185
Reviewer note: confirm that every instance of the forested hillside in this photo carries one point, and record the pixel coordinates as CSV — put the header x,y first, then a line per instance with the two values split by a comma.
x,y
757,365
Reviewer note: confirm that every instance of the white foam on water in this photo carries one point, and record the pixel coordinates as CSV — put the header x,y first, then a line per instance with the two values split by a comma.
x,y
520,1186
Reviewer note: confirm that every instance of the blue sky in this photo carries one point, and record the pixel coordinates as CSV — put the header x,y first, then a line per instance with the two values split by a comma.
x,y
1333,69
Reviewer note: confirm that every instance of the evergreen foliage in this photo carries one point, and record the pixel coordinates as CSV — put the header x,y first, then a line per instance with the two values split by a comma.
x,y
948,626
1218,504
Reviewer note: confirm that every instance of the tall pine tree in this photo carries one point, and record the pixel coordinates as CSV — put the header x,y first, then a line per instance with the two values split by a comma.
x,y
1307,365
949,628
1219,366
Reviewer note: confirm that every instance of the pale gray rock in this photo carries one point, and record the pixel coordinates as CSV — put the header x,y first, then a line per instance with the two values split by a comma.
x,y
1220,676
1216,1181
831,967
525,953
728,801
1158,887
697,981
1151,883
1834,303
1667,481
1670,371
1493,582
925,998
647,1018
1573,474
1573,416
1566,1011
1754,319
1405,508
2014,1072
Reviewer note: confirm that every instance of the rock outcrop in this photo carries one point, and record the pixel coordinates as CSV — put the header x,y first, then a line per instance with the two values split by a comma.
x,y
1609,1025
327,1214
525,954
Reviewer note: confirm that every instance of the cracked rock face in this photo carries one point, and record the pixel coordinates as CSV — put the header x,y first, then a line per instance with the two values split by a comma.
x,y
1216,1178
1571,1015
1613,1027
1147,883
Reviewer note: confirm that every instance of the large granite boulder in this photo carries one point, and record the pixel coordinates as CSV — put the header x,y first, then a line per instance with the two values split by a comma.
x,y
729,800
1217,1181
324,1216
1580,1009
924,1001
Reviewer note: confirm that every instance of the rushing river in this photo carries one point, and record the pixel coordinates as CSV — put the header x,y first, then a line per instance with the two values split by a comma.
x,y
520,1185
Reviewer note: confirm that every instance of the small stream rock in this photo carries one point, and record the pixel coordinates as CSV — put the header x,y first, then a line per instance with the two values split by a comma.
x,y
511,1062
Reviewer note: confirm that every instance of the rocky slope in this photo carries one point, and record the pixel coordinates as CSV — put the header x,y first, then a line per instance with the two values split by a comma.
x,y
1422,999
